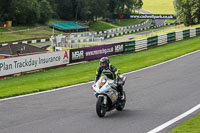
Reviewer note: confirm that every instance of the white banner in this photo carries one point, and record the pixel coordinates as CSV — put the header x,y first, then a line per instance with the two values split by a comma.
x,y
33,62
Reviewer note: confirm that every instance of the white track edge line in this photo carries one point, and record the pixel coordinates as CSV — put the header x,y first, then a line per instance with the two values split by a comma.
x,y
42,92
176,119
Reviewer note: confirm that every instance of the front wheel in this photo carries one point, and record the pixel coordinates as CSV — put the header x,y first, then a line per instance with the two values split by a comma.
x,y
122,103
100,107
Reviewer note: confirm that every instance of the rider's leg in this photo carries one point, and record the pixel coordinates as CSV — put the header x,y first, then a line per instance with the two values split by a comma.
x,y
120,89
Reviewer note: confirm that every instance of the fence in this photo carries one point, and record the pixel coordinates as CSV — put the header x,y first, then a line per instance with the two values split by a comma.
x,y
90,36
27,42
95,52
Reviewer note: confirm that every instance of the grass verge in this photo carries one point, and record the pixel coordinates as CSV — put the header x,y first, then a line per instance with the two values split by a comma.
x,y
159,6
54,78
43,32
190,126
102,25
18,33
127,22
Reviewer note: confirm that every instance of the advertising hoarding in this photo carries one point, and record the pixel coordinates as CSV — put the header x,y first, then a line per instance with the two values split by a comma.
x,y
20,64
95,52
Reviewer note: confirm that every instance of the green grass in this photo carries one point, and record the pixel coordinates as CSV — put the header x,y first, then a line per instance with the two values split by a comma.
x,y
3,29
33,32
127,22
101,26
190,126
29,34
159,6
15,28
54,78
170,21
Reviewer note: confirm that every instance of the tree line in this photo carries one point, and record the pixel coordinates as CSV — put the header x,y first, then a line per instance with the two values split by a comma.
x,y
26,12
187,11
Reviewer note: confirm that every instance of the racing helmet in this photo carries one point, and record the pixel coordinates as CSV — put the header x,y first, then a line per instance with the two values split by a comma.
x,y
104,62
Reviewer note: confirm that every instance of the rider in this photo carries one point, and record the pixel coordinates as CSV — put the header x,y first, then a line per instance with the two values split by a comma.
x,y
105,64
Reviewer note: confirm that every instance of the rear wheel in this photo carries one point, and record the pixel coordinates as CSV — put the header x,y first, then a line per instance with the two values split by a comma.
x,y
121,105
100,107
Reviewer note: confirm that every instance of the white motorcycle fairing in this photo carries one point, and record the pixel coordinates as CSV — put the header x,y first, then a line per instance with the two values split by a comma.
x,y
105,86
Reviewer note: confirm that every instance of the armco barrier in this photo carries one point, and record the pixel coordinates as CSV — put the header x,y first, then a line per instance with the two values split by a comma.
x,y
162,39
197,31
179,35
140,44
95,52
152,41
192,32
186,34
27,42
171,37
129,46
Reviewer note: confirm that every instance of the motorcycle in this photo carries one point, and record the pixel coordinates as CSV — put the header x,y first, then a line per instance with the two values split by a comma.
x,y
108,98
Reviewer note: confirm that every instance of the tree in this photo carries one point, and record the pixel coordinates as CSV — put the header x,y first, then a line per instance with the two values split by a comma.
x,y
187,11
5,10
25,11
138,4
65,9
46,11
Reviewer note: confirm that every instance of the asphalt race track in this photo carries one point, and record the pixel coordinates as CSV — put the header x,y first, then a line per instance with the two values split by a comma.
x,y
154,96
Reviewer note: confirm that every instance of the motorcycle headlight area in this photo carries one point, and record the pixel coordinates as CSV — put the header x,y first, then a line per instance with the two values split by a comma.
x,y
101,84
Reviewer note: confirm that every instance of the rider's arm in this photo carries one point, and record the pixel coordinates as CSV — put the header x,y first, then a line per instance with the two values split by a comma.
x,y
98,73
114,70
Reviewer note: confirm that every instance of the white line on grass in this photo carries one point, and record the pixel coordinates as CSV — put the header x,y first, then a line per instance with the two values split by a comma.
x,y
165,125
11,98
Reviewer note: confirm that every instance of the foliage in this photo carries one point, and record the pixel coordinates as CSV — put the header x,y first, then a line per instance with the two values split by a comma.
x,y
187,11
27,12
46,11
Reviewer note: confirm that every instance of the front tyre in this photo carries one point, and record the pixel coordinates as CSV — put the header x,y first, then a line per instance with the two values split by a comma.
x,y
100,107
122,103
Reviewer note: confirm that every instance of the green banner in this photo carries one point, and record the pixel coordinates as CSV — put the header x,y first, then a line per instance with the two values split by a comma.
x,y
152,41
197,31
171,37
186,34
129,46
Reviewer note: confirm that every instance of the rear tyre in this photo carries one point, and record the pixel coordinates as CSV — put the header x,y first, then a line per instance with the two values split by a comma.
x,y
100,107
121,105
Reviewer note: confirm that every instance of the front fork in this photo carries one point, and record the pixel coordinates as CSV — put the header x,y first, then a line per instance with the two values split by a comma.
x,y
104,99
